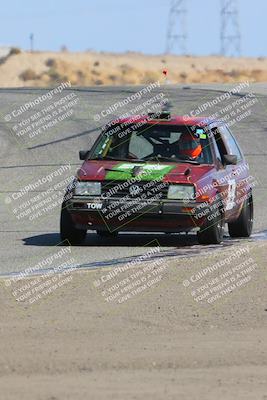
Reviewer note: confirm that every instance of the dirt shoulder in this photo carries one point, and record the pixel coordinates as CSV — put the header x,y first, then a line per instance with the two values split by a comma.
x,y
161,343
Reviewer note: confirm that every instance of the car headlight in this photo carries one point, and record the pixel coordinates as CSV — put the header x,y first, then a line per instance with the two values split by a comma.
x,y
181,192
88,188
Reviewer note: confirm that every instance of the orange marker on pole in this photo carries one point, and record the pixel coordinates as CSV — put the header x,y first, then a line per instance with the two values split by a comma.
x,y
165,72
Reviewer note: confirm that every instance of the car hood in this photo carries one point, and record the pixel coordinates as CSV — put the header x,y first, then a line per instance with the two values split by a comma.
x,y
122,170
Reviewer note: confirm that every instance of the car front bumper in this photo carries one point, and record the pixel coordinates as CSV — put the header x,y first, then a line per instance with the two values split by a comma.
x,y
117,214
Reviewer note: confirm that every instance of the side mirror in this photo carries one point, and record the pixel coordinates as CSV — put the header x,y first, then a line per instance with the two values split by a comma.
x,y
229,159
83,154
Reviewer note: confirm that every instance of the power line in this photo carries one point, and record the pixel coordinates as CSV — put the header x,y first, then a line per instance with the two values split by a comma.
x,y
230,31
177,32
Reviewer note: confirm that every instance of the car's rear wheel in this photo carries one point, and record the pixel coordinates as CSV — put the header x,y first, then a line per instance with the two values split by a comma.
x,y
68,231
212,231
242,227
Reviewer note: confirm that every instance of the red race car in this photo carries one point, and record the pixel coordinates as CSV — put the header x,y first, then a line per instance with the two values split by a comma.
x,y
161,173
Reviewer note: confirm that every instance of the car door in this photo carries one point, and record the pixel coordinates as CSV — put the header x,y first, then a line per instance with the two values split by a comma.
x,y
228,176
239,172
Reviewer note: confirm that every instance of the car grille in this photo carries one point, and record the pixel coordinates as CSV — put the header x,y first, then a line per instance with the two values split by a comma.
x,y
112,189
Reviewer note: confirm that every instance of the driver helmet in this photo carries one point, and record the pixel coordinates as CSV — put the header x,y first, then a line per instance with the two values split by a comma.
x,y
189,145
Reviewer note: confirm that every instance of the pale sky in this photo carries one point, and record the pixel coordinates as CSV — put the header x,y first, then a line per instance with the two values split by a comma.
x,y
121,25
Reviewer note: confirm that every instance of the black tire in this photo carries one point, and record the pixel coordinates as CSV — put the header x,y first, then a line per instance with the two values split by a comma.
x,y
107,234
68,231
212,231
242,227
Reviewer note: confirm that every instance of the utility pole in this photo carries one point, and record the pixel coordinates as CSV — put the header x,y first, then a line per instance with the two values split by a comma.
x,y
230,31
31,42
177,32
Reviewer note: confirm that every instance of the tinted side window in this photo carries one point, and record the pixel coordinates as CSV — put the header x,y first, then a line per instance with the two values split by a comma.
x,y
231,143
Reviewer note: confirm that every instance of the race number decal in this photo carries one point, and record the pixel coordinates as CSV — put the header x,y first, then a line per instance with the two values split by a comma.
x,y
230,201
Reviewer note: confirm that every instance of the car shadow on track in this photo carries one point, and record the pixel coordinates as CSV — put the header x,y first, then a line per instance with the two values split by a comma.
x,y
122,240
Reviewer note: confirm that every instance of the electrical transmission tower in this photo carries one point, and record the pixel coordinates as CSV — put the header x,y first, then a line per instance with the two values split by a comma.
x,y
230,32
177,33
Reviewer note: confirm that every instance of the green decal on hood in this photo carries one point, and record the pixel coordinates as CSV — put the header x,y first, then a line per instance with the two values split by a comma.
x,y
147,172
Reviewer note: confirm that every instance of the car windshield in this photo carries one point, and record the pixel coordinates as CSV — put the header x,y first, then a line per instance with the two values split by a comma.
x,y
154,142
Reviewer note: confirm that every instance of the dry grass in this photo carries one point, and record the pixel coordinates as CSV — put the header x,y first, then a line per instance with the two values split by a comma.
x,y
86,69
29,75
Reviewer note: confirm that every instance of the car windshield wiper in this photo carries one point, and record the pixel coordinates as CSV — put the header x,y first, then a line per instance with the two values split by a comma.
x,y
173,159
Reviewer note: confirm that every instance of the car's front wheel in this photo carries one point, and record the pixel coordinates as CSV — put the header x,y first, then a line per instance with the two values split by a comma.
x,y
212,231
68,231
242,227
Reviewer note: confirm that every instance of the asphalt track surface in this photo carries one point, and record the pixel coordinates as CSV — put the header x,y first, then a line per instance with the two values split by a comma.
x,y
25,160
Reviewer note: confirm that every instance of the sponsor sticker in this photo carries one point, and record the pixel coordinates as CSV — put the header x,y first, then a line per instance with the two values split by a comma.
x,y
94,206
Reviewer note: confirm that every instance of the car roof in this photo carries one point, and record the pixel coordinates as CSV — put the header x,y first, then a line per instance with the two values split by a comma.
x,y
173,120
